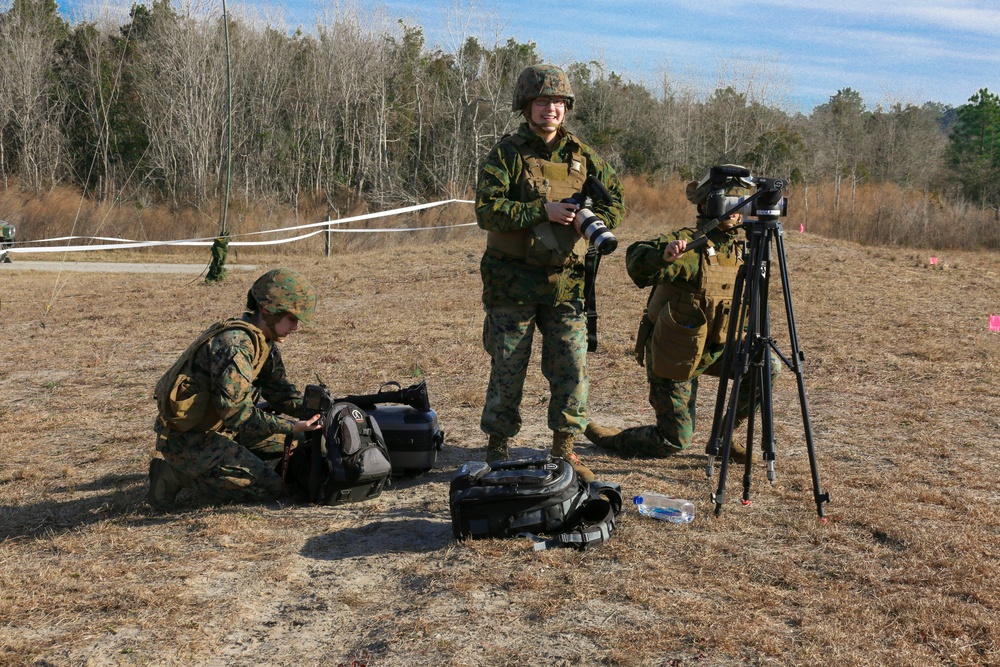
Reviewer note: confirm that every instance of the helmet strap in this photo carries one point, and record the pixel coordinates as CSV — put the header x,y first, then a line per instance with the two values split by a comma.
x,y
270,321
537,129
266,322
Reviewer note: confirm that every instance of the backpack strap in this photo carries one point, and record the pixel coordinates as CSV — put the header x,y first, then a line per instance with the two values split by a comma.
x,y
286,455
593,522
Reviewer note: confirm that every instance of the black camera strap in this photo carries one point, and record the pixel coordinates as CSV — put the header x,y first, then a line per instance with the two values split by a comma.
x,y
590,265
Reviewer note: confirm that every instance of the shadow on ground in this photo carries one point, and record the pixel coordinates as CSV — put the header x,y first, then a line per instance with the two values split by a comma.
x,y
400,531
119,497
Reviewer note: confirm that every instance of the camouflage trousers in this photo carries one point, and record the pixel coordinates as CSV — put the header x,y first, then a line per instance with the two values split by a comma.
x,y
225,467
507,337
675,404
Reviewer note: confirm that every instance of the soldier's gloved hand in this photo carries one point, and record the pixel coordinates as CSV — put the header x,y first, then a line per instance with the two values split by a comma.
x,y
563,213
311,424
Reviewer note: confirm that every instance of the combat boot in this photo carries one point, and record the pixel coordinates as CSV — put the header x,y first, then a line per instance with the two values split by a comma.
x,y
562,447
602,436
737,452
165,482
497,449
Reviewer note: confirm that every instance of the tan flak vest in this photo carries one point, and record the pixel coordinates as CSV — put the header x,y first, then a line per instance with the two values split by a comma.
x,y
681,318
182,403
547,243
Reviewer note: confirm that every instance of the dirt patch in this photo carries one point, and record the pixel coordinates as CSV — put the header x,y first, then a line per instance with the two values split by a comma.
x,y
900,374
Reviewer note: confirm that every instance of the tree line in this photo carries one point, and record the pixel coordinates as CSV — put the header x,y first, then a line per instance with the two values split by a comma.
x,y
137,113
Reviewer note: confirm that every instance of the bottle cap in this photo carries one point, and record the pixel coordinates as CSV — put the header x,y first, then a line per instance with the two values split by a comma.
x,y
637,500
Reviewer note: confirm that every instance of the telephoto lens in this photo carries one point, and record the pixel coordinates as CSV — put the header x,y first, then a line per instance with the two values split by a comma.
x,y
595,231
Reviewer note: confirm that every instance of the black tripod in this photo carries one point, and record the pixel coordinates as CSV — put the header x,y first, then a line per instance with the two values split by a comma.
x,y
747,357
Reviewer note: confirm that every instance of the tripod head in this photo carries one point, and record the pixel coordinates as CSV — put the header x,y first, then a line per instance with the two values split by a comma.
x,y
769,202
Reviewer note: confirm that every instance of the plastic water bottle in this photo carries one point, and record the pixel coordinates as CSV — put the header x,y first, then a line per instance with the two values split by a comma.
x,y
665,508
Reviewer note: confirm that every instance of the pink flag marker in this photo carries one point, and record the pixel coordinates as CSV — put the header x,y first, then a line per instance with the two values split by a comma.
x,y
995,323
934,261
802,228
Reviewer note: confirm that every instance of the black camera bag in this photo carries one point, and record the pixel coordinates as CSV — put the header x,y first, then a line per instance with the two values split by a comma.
x,y
522,498
347,461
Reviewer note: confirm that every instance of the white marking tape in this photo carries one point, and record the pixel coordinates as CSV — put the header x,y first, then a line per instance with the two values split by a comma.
x,y
127,243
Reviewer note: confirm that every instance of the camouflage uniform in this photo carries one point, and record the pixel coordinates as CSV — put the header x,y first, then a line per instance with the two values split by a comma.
x,y
519,297
229,463
674,401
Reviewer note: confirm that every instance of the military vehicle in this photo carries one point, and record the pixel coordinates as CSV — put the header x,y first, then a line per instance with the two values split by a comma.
x,y
6,234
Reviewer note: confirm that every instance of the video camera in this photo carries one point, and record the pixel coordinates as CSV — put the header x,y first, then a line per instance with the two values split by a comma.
x,y
414,396
592,227
766,201
317,399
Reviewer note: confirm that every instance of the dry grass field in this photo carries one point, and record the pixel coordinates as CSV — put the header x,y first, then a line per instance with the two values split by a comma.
x,y
903,384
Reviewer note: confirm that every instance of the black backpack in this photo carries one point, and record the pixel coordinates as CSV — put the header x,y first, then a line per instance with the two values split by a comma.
x,y
521,498
345,462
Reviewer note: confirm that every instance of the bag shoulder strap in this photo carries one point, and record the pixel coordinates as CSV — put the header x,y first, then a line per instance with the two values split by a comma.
x,y
593,523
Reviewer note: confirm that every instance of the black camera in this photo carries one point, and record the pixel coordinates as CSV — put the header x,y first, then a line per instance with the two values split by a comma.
x,y
592,227
316,400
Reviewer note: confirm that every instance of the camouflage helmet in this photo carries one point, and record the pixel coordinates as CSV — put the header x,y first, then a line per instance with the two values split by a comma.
x,y
541,81
697,191
284,291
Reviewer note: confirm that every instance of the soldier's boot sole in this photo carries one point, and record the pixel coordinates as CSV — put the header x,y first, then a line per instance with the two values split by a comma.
x,y
164,485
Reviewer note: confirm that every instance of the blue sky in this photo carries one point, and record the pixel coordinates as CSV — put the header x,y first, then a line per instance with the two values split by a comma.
x,y
796,53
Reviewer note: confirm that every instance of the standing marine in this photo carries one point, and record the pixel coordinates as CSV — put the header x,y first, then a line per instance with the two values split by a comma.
x,y
683,330
212,434
533,267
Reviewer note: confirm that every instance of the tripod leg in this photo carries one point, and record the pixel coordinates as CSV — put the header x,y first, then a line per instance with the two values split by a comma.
x,y
737,371
767,389
819,495
751,424
734,340
747,327
719,497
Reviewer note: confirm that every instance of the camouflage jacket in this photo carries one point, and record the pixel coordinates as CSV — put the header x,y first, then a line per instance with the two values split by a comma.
x,y
509,281
227,361
645,265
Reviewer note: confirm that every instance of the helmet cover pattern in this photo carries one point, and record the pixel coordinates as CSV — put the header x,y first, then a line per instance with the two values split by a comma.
x,y
541,81
285,291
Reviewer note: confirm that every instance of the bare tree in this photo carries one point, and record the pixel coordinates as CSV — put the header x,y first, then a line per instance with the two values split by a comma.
x,y
183,92
747,103
904,144
837,141
30,107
